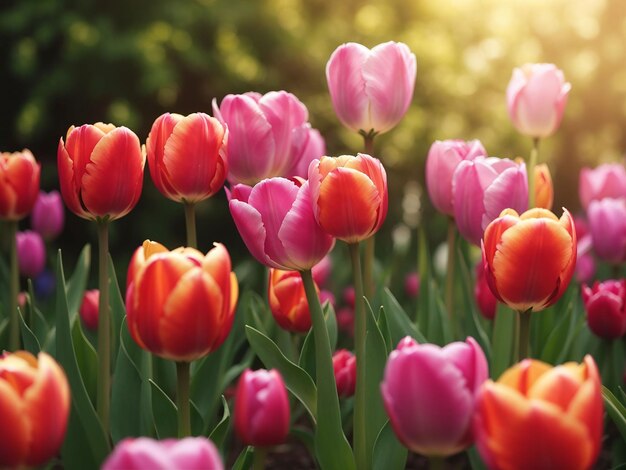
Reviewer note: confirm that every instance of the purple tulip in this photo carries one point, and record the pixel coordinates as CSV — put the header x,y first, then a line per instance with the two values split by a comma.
x,y
429,394
371,90
191,453
31,253
607,224
443,158
605,304
484,187
48,215
268,136
608,180
275,219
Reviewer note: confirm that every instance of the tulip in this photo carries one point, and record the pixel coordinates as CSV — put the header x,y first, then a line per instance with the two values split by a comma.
x,y
443,158
544,189
371,90
88,310
541,417
605,304
34,405
486,301
100,171
269,136
344,365
187,156
180,304
412,285
529,259
585,263
276,221
429,394
484,187
607,224
48,216
322,270
608,180
287,301
536,98
19,184
31,253
261,408
349,195
191,453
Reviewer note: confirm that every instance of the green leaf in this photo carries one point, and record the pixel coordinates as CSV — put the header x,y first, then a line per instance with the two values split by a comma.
x,y
244,461
76,451
305,436
218,434
87,360
164,411
398,321
257,313
331,324
297,380
475,461
504,336
389,453
77,283
31,343
616,410
307,352
118,309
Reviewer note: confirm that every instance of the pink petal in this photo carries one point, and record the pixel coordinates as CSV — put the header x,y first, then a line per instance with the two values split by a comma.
x,y
508,190
250,226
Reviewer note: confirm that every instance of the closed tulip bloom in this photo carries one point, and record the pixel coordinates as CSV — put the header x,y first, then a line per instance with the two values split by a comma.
x,y
608,180
544,189
31,253
605,304
429,394
443,158
261,408
34,405
187,156
607,224
180,304
19,184
412,285
190,453
484,187
371,90
88,310
585,262
541,417
344,366
529,258
288,302
276,221
485,300
269,136
48,216
536,97
100,170
349,195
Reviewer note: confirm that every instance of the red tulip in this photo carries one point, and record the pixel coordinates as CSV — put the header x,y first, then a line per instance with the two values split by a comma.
x,y
19,184
88,310
486,301
605,304
344,366
544,189
287,300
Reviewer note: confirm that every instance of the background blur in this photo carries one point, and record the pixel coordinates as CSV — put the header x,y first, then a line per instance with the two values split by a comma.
x,y
67,62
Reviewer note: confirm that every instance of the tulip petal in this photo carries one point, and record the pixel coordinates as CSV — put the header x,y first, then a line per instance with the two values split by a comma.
x,y
250,226
536,105
155,145
14,432
469,358
79,145
69,188
508,190
523,375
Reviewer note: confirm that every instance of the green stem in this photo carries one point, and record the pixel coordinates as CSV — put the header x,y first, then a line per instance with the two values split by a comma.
x,y
190,224
534,154
14,325
182,398
436,462
360,331
370,243
104,328
449,295
260,455
524,334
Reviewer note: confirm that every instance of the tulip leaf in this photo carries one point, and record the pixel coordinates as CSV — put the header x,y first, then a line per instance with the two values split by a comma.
x,y
87,360
331,324
475,461
244,461
307,352
616,410
118,309
31,343
164,411
76,452
389,453
297,380
305,436
256,312
398,321
560,337
77,283
504,336
218,434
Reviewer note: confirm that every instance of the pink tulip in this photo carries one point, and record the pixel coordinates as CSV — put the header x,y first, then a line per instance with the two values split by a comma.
x,y
48,215
443,158
31,253
261,408
486,301
268,136
88,310
191,453
371,90
276,221
536,98
484,187
412,285
585,263
344,366
321,271
605,304
429,394
607,223
607,180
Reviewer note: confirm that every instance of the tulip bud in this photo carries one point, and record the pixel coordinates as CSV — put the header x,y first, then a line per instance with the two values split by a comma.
x,y
344,366
19,184
544,190
607,224
288,302
48,216
261,408
412,285
88,310
605,304
585,263
608,180
31,253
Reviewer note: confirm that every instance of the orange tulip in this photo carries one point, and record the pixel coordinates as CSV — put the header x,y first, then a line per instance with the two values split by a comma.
x,y
34,405
544,189
541,417
180,304
349,195
19,184
100,170
529,259
288,302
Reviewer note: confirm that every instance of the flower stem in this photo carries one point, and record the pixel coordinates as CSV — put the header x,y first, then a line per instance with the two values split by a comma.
x,y
260,455
370,243
182,398
524,334
190,224
14,325
104,328
449,293
532,162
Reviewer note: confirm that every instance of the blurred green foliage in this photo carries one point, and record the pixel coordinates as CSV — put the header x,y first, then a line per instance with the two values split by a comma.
x,y
126,62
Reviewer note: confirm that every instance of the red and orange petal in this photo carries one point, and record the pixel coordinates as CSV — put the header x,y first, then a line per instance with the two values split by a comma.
x,y
15,429
544,189
524,374
79,146
69,187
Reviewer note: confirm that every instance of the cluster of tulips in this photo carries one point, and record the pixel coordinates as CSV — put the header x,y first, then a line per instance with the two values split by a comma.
x,y
290,204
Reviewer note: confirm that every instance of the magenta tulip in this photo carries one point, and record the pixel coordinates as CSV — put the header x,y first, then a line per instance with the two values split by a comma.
x,y
484,187
485,300
605,304
429,394
275,219
443,158
607,224
31,253
412,285
585,263
268,136
607,180
371,90
344,366
48,215
191,453
536,99
261,408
